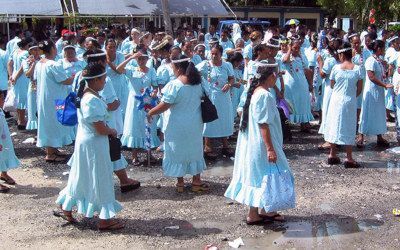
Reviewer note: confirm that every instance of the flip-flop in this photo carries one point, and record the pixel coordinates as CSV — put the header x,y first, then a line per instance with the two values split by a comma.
x,y
257,222
130,187
180,189
4,189
8,180
333,160
273,217
60,214
348,164
200,188
382,143
117,225
57,159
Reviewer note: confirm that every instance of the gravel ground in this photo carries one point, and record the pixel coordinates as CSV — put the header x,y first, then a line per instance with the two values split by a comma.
x,y
336,207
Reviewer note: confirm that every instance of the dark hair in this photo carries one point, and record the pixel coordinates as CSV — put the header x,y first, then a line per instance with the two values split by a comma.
x,y
95,43
24,42
32,44
218,47
18,32
235,57
46,46
347,54
257,50
96,58
264,72
110,40
189,69
372,26
92,69
81,39
376,44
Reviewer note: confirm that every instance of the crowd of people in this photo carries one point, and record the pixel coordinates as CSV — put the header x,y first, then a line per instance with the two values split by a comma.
x,y
261,82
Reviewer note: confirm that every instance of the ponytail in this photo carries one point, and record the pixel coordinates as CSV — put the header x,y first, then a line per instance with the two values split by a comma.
x,y
79,95
193,74
245,116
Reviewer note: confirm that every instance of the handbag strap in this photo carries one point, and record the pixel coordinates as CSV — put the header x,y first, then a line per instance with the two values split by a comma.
x,y
77,76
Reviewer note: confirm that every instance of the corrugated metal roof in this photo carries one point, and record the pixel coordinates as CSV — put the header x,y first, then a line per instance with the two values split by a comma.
x,y
31,7
148,7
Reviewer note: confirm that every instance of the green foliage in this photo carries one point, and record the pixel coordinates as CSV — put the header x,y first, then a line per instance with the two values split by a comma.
x,y
394,28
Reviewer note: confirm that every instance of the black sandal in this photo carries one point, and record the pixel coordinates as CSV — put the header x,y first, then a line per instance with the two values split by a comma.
x,y
60,214
273,217
257,222
130,187
334,161
348,164
57,159
382,143
4,189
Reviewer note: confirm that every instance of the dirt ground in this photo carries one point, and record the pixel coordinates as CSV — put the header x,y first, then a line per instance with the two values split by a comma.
x,y
337,208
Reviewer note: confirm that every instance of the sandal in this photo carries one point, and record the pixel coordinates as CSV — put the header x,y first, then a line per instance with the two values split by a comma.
x,y
200,188
324,146
8,180
61,214
4,189
333,160
180,188
115,225
56,159
257,222
349,164
382,143
275,217
130,187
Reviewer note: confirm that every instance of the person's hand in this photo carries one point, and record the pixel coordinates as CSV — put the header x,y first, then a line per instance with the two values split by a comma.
x,y
389,86
226,87
113,133
272,155
136,55
149,118
12,80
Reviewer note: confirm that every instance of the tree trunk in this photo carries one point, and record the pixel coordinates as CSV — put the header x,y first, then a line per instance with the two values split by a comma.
x,y
167,18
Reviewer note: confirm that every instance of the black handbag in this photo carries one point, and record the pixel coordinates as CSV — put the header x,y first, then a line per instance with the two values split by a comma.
x,y
208,110
115,148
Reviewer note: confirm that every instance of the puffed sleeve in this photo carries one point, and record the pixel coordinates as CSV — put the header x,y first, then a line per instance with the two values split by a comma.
x,y
108,93
248,52
162,75
333,73
93,109
58,72
263,108
327,66
203,68
370,64
170,92
229,68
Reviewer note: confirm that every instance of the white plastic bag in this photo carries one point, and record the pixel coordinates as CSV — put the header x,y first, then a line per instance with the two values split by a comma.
x,y
11,102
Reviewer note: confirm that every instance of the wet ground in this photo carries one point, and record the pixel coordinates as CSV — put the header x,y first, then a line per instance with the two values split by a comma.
x,y
337,208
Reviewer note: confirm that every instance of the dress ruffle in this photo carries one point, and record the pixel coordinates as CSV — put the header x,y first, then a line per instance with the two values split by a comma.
x,y
172,169
247,195
9,163
56,142
301,118
32,125
88,209
137,142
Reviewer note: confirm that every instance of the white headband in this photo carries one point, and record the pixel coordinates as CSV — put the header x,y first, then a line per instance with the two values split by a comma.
x,y
33,47
181,60
92,77
144,35
352,35
272,45
392,39
200,44
96,55
343,50
69,46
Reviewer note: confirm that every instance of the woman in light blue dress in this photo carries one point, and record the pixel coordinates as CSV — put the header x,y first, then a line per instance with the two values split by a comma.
x,y
218,79
262,178
140,78
8,160
226,43
326,67
182,97
236,59
70,62
297,88
19,80
29,68
90,185
391,54
358,59
52,84
346,82
373,111
255,38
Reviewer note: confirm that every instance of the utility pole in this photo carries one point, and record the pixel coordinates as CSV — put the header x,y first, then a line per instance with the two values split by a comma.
x,y
167,17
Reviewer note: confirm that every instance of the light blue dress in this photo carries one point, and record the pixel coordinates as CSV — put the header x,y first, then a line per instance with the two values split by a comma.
x,y
79,52
373,111
252,168
248,52
215,77
312,56
183,156
119,82
51,133
226,46
165,74
128,47
31,97
22,83
342,112
196,59
8,159
3,70
114,119
329,63
391,56
296,90
236,92
71,68
359,60
90,185
134,124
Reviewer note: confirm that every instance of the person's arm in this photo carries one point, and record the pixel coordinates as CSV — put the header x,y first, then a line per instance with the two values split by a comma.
x,y
286,56
266,136
68,81
359,87
19,73
102,129
375,80
10,67
113,106
121,68
160,108
31,70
